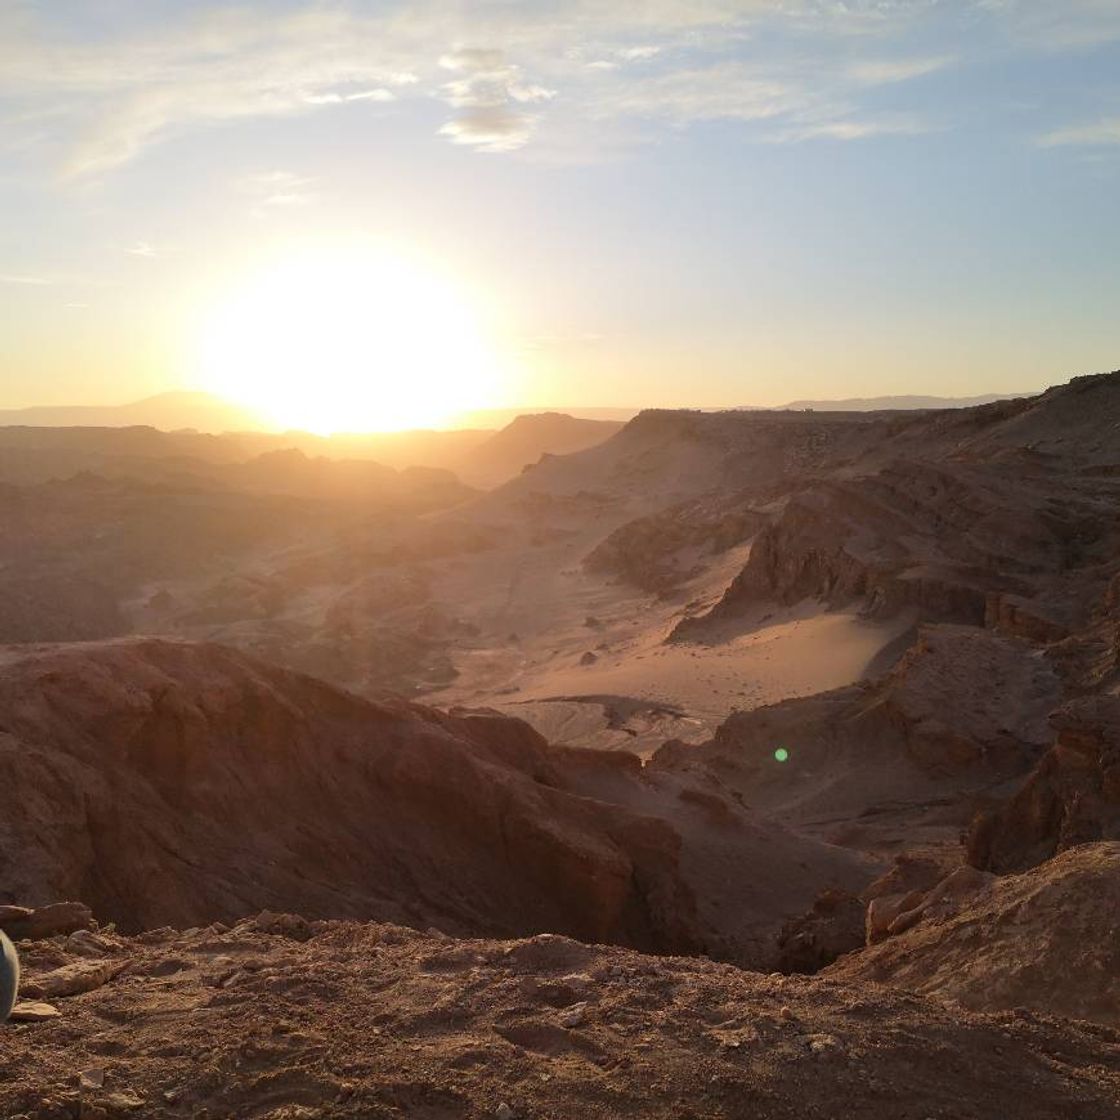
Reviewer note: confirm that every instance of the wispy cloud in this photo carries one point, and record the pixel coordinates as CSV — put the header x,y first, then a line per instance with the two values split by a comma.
x,y
490,94
1100,134
727,91
852,128
511,76
1055,25
887,71
25,281
278,189
333,98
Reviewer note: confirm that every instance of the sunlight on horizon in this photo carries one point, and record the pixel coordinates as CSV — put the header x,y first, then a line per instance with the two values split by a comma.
x,y
349,341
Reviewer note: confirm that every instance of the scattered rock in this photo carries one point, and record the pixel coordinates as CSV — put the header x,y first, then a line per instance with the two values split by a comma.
x,y
88,944
302,1012
33,1011
113,1106
833,927
23,924
72,979
574,1016
281,925
823,1044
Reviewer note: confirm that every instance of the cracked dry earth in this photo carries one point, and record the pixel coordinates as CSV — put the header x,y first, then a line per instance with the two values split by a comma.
x,y
285,1019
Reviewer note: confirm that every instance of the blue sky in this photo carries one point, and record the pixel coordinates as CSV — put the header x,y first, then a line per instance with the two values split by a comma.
x,y
671,203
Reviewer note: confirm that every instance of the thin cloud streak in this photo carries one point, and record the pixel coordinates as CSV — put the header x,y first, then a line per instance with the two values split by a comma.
x,y
1101,134
278,190
889,71
1057,25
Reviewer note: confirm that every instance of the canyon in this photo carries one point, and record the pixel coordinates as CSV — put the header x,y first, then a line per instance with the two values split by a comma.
x,y
732,759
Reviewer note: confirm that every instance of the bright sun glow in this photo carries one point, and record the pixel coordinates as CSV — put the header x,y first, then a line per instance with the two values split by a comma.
x,y
348,343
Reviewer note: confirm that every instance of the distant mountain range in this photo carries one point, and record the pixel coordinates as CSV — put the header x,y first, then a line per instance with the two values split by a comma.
x,y
293,461
499,417
205,412
169,412
898,403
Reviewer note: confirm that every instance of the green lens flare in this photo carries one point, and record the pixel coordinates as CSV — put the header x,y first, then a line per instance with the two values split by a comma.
x,y
781,754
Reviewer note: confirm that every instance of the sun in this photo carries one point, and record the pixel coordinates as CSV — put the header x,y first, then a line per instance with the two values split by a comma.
x,y
349,342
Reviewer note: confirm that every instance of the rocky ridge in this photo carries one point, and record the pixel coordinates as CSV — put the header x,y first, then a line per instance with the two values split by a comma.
x,y
281,1018
1045,939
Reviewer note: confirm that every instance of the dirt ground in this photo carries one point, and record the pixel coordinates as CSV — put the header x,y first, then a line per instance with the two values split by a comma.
x,y
349,1020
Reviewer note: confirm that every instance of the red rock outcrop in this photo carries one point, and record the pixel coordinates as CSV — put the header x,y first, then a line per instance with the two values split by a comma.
x,y
1072,796
833,927
659,551
1045,939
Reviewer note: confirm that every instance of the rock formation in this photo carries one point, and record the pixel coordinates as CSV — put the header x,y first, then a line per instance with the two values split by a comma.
x,y
1045,939
1071,797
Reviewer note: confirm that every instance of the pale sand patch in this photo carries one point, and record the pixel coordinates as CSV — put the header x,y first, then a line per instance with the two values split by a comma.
x,y
783,653
797,654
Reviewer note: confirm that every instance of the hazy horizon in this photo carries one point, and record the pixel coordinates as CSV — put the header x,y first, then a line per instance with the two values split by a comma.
x,y
210,412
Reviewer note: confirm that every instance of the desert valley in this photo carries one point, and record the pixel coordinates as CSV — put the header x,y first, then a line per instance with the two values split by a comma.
x,y
707,764
559,560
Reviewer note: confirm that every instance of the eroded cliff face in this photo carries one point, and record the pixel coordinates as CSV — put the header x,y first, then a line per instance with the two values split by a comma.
x,y
975,544
1000,516
202,783
661,551
175,783
1072,797
1089,659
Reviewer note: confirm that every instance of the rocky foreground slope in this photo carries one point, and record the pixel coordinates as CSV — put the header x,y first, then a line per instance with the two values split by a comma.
x,y
279,1018
171,783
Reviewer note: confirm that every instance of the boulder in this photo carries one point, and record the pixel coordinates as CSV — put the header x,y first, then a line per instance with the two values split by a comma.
x,y
22,923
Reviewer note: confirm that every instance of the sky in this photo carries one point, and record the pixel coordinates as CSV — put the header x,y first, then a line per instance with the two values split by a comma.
x,y
667,203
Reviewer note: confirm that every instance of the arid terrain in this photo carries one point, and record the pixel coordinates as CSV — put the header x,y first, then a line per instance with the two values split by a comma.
x,y
714,764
